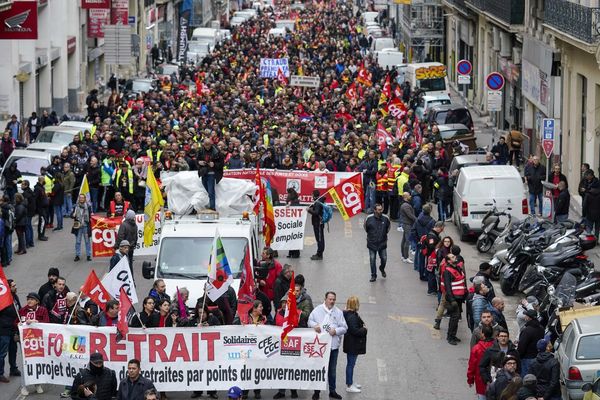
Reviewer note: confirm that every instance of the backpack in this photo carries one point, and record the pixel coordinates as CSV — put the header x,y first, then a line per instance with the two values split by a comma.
x,y
326,213
9,224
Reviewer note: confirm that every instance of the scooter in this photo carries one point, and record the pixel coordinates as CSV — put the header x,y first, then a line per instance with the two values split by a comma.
x,y
491,230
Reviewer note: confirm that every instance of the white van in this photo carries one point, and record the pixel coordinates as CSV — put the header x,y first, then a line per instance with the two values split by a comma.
x,y
28,164
185,247
429,77
479,188
59,134
206,35
382,43
369,16
54,149
391,58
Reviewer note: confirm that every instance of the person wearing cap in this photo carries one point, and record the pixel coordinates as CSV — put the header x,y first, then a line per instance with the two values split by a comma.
x,y
122,251
473,373
528,338
529,388
33,311
529,303
134,386
104,378
128,231
546,369
53,274
493,357
504,375
82,227
485,271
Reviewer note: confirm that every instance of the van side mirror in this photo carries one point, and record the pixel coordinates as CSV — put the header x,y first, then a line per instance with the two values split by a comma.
x,y
586,387
147,270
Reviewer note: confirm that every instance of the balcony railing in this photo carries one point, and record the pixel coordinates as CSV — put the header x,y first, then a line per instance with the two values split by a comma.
x,y
573,19
511,12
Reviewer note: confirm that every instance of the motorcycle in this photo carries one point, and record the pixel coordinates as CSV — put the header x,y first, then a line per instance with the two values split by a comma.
x,y
491,230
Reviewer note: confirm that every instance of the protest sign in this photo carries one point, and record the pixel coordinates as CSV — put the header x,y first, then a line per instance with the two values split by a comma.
x,y
104,235
269,67
202,358
289,232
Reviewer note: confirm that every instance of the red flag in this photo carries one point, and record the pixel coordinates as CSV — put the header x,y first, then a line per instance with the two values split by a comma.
x,y
94,289
382,136
348,196
290,320
387,87
364,77
125,313
351,92
6,298
247,287
281,76
397,108
260,192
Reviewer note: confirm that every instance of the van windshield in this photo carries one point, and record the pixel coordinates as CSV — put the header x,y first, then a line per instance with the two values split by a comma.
x,y
190,256
29,166
432,85
55,137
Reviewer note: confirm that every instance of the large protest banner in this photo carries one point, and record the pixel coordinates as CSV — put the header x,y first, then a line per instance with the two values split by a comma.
x,y
269,67
104,235
290,223
181,359
303,182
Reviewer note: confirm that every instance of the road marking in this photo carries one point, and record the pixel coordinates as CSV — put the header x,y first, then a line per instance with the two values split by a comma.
x,y
372,300
435,334
381,370
348,229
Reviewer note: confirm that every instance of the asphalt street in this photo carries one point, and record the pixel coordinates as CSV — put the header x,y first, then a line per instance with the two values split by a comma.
x,y
405,356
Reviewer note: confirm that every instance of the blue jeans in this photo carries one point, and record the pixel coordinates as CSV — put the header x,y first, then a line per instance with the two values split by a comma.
x,y
29,232
59,216
369,198
373,260
8,246
208,181
67,204
562,217
525,363
532,199
94,198
442,210
350,368
83,233
332,367
4,343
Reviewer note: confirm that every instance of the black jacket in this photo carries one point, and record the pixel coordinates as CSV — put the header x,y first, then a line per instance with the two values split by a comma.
x,y
280,288
58,194
135,390
41,199
149,321
494,391
493,357
20,215
355,339
377,229
562,203
213,155
106,383
547,371
531,333
8,316
535,176
30,198
591,201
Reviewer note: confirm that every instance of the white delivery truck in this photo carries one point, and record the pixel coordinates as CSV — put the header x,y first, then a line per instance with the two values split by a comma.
x,y
430,77
211,36
391,58
185,246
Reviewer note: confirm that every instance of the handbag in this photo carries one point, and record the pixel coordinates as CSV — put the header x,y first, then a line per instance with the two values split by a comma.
x,y
76,226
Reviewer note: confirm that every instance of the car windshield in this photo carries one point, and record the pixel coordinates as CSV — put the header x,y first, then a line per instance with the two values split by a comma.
x,y
190,256
589,348
141,86
458,116
55,137
30,166
201,47
453,133
432,85
167,69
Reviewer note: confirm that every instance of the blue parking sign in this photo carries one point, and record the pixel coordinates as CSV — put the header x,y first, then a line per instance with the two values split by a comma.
x,y
548,130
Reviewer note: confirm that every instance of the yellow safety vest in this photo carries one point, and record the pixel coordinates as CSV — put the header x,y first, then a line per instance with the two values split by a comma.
x,y
129,179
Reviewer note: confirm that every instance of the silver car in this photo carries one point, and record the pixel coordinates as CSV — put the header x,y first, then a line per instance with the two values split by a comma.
x,y
579,355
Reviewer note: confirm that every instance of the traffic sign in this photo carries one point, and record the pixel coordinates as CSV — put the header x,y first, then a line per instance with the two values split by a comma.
x,y
494,81
464,79
548,133
494,100
464,67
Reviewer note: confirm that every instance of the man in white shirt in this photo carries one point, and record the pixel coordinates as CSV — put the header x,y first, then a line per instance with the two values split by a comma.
x,y
328,318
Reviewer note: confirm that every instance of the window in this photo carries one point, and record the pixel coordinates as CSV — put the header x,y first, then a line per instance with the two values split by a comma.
x,y
431,85
589,348
568,338
190,256
29,166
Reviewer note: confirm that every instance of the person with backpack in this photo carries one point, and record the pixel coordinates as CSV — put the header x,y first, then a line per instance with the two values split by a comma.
x,y
8,216
431,260
377,226
320,215
422,226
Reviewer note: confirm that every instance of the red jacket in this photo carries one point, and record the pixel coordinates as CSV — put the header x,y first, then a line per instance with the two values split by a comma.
x,y
270,281
473,375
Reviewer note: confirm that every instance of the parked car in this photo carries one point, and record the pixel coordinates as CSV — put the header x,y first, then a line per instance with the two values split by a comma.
x,y
592,390
85,126
460,132
444,114
59,134
54,149
164,70
427,101
28,163
579,356
468,160
476,190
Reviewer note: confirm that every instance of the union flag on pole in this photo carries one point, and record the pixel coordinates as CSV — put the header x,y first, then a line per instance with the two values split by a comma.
x,y
219,272
383,137
281,76
351,92
96,291
6,298
126,312
364,76
348,196
247,286
291,317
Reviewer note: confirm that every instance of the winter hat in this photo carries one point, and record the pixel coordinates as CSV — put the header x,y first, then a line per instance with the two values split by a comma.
x,y
541,345
529,380
507,359
53,272
531,314
130,214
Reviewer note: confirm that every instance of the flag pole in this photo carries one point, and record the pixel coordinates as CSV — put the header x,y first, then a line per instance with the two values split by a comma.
x,y
74,308
203,303
137,314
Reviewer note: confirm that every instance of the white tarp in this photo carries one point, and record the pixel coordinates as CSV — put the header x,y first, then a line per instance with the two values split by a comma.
x,y
185,192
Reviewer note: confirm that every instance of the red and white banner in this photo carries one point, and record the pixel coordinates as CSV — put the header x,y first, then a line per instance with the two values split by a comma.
x,y
97,18
20,21
119,12
304,182
104,235
203,358
348,196
95,4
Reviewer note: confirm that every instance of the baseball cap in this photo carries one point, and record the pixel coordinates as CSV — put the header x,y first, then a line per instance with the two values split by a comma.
x,y
96,357
531,314
542,344
234,392
33,295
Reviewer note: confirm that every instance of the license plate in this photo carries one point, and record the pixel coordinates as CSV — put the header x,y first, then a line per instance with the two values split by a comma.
x,y
477,216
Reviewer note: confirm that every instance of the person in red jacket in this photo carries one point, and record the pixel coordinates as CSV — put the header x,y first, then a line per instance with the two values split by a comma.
x,y
33,311
267,285
473,374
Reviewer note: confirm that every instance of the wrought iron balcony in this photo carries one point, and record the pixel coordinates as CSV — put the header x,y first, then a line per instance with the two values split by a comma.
x,y
510,12
573,19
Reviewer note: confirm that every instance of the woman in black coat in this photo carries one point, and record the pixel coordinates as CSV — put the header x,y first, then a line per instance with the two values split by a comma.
x,y
58,198
355,341
148,316
292,200
20,222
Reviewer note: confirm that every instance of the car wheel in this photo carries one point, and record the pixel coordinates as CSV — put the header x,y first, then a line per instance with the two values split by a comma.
x,y
461,231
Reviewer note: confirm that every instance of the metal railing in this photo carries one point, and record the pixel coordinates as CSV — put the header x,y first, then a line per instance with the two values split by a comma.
x,y
573,19
510,11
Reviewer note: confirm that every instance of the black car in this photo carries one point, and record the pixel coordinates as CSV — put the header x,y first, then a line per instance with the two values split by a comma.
x,y
447,114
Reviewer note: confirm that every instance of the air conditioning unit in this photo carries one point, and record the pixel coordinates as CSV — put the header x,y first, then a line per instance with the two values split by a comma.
x,y
505,45
496,39
517,53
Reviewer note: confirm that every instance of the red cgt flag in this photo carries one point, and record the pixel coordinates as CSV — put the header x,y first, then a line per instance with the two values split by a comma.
x,y
291,318
94,289
126,311
383,137
246,291
6,298
348,196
